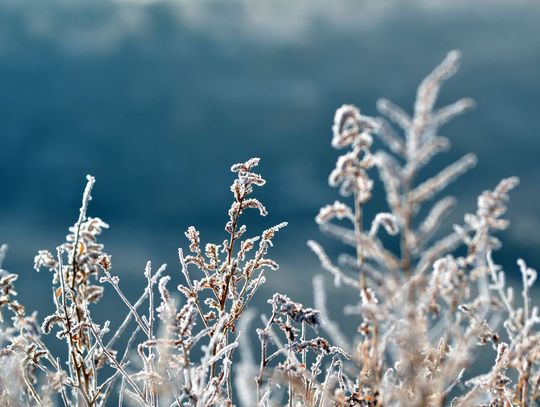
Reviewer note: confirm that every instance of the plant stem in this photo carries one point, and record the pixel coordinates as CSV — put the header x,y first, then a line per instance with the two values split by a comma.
x,y
357,231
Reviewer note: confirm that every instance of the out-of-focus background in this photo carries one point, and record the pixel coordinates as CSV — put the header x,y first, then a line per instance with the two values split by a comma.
x,y
158,99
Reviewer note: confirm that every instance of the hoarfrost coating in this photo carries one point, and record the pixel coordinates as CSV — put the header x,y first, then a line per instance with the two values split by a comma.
x,y
421,312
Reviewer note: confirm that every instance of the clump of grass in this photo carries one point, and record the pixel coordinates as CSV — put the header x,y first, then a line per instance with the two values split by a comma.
x,y
422,311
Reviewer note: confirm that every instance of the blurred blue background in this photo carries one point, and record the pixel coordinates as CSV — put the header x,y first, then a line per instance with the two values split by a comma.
x,y
158,99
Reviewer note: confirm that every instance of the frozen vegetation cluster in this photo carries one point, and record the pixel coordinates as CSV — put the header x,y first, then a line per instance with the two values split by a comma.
x,y
423,310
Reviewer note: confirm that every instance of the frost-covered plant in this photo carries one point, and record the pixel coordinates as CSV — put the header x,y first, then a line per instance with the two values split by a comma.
x,y
297,358
422,310
184,354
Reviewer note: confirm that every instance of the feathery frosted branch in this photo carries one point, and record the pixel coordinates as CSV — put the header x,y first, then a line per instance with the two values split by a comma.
x,y
429,188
